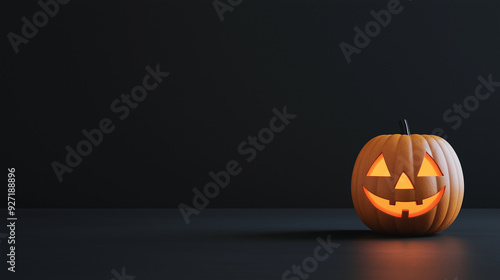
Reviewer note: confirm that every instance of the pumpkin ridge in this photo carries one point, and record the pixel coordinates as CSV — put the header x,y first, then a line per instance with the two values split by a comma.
x,y
355,180
382,144
431,142
456,206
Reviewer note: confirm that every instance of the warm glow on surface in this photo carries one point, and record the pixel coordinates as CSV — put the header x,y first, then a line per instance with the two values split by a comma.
x,y
429,167
379,168
404,183
411,206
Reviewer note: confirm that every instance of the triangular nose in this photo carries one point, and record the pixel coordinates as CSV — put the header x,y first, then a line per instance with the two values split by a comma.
x,y
404,183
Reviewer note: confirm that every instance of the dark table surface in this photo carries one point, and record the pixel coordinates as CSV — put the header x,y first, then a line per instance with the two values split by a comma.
x,y
236,244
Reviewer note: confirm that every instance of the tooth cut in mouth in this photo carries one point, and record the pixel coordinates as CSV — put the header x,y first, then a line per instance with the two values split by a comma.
x,y
408,209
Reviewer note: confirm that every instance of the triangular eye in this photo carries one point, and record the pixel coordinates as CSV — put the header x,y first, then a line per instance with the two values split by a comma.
x,y
379,168
429,167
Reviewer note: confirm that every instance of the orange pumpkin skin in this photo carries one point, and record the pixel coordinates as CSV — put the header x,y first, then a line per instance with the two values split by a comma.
x,y
405,153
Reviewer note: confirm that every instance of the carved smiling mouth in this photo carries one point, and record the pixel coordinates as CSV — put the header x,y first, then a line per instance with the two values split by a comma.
x,y
407,209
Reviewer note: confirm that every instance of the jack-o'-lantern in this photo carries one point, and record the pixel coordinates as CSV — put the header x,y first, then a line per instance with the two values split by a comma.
x,y
407,184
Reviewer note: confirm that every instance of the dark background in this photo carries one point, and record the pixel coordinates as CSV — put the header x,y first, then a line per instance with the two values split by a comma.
x,y
226,77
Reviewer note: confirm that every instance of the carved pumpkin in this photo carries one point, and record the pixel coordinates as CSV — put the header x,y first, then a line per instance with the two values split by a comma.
x,y
407,184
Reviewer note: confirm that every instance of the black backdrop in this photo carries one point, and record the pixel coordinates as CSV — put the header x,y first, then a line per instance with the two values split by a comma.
x,y
225,79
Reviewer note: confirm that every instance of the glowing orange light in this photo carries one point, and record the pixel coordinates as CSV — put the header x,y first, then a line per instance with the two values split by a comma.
x,y
410,207
404,183
379,168
429,167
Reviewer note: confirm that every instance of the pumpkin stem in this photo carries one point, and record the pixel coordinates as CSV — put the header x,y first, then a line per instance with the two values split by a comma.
x,y
403,126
